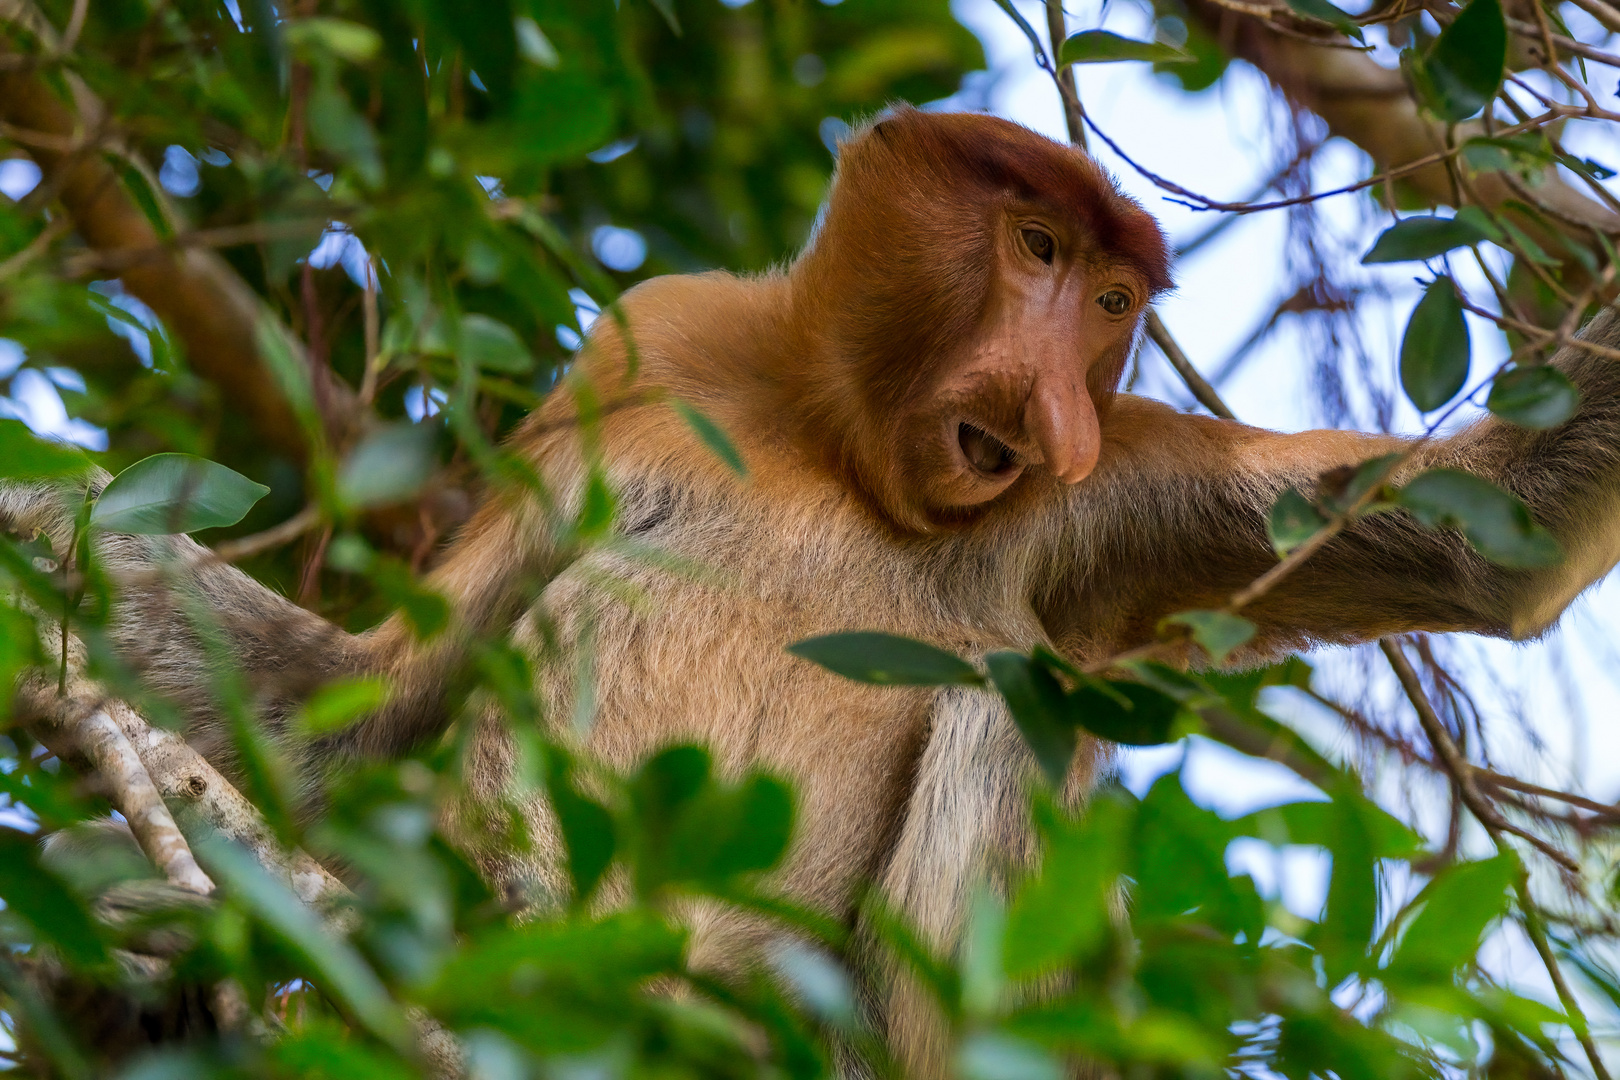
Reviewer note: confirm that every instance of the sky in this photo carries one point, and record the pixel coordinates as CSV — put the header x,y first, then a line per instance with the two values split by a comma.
x,y
1551,706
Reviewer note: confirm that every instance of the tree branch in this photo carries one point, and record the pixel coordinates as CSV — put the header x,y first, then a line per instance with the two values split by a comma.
x,y
194,291
1370,105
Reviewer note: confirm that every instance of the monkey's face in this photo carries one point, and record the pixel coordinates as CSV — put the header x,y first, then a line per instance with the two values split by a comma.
x,y
1022,394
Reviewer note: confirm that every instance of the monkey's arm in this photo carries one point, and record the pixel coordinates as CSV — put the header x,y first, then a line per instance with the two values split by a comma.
x,y
1175,519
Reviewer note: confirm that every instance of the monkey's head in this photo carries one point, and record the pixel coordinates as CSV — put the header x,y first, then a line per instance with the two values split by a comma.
x,y
982,286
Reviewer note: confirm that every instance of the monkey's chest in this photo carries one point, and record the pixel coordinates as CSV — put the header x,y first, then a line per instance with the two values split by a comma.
x,y
701,657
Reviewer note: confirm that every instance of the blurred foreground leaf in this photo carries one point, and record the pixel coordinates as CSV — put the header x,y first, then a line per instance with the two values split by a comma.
x,y
886,659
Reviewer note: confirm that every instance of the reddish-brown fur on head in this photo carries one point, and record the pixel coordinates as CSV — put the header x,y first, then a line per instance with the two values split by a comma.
x,y
902,275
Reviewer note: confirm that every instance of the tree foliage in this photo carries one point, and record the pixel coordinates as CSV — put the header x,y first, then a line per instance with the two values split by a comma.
x,y
306,263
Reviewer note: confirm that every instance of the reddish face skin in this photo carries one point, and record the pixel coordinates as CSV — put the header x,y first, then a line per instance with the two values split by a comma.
x,y
972,296
1019,397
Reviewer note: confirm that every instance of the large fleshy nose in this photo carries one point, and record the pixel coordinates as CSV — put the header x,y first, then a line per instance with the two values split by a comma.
x,y
1061,419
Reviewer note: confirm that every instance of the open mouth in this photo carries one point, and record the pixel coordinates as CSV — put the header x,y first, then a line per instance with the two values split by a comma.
x,y
986,453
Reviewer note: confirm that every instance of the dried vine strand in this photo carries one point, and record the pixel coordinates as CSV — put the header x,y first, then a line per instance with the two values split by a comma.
x,y
1195,201
1462,774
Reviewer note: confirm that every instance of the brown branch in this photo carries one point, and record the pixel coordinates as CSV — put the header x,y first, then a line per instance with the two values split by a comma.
x,y
1605,810
1063,74
1370,106
1200,387
175,771
136,797
196,293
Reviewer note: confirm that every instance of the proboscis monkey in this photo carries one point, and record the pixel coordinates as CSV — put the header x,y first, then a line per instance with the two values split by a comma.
x,y
926,402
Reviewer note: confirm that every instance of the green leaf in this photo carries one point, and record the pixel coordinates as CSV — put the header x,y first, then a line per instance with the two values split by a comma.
x,y
174,493
1219,632
1312,823
1294,519
1067,910
37,895
335,37
886,660
712,435
1125,712
1463,67
339,704
334,964
1322,11
1209,59
1596,170
1102,47
494,346
743,831
339,128
1423,237
389,465
1494,521
1480,219
1177,856
1344,487
693,829
598,506
587,828
25,456
1534,397
1435,347
1345,931
1039,708
1526,153
1458,906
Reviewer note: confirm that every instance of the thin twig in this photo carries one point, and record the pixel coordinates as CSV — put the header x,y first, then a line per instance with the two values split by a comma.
x,y
1203,202
1490,776
223,237
1602,12
1462,774
1063,75
368,381
42,140
1459,768
273,537
36,247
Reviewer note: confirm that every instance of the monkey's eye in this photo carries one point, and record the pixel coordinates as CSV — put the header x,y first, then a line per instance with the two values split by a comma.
x,y
1040,245
1114,302
984,451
